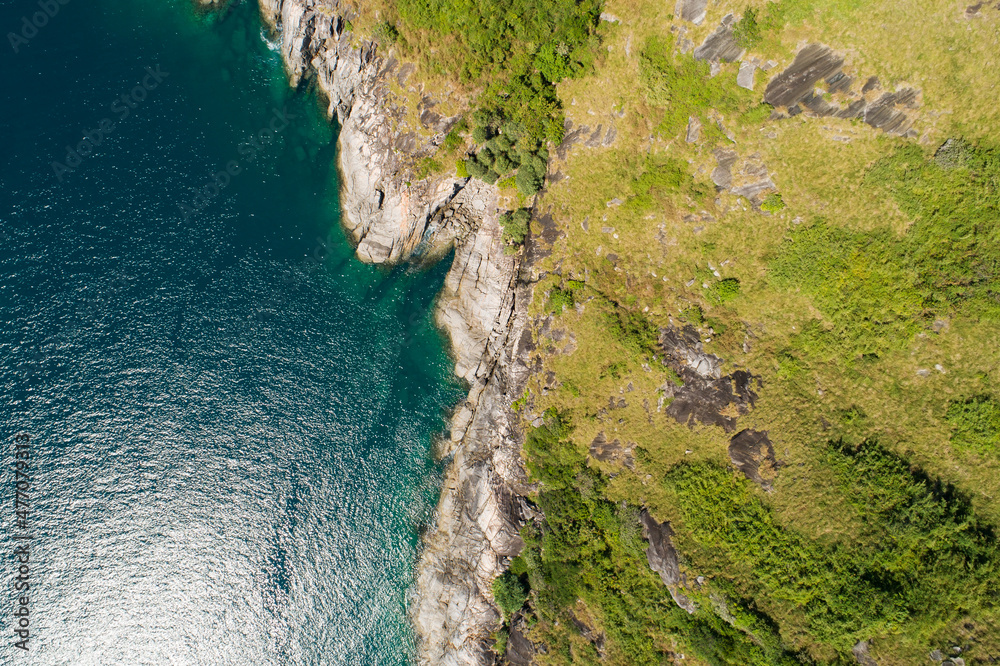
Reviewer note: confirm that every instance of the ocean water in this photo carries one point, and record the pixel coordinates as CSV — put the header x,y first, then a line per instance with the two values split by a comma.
x,y
230,418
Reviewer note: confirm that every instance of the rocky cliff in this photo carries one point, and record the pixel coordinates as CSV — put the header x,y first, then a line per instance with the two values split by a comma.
x,y
481,307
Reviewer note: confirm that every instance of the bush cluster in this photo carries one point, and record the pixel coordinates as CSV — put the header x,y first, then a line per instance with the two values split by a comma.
x,y
517,50
564,297
591,549
510,593
506,147
923,559
772,203
723,291
515,225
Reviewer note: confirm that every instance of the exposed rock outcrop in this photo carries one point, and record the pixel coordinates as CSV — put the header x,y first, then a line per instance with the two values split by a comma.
x,y
480,511
795,88
706,396
691,10
752,453
662,558
721,45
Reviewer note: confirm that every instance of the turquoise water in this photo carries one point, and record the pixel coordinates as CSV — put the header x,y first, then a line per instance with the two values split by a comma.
x,y
231,418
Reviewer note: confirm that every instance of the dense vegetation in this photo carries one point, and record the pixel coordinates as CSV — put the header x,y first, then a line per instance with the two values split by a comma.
x,y
923,560
515,51
592,549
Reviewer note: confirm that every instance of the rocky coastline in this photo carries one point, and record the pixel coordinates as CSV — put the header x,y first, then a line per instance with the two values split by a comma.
x,y
394,217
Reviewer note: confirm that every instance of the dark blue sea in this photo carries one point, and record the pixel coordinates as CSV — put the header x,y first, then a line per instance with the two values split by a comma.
x,y
225,420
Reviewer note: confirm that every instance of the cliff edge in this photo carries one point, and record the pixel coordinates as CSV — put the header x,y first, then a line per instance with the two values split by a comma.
x,y
482,307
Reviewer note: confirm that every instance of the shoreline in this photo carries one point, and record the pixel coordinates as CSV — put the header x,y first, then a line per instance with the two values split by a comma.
x,y
482,308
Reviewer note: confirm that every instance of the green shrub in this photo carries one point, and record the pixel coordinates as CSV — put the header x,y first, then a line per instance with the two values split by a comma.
x,y
515,225
385,33
502,164
560,299
756,114
480,134
500,639
632,330
660,177
975,424
476,168
426,166
528,181
747,32
486,156
462,169
694,315
490,176
452,140
752,27
772,203
509,593
501,143
684,87
724,290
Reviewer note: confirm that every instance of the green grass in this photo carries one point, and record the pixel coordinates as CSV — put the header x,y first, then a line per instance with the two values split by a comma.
x,y
923,561
683,87
877,290
975,424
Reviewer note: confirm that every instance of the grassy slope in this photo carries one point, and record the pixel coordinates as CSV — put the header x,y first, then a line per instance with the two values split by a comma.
x,y
813,393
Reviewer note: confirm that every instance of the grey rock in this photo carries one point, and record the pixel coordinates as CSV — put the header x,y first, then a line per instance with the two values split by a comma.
x,y
862,655
720,46
751,190
871,84
613,451
520,650
705,393
595,139
795,88
751,452
744,78
691,10
662,558
722,174
693,130
812,64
